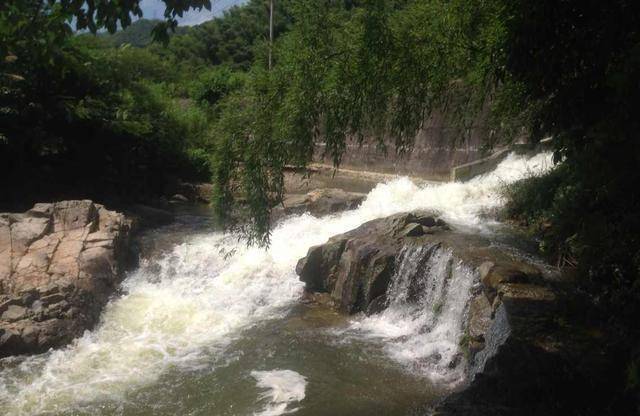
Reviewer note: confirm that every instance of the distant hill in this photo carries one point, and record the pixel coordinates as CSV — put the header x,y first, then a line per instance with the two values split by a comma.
x,y
138,34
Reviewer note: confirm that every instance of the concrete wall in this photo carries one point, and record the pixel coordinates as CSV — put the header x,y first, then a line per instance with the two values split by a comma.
x,y
438,147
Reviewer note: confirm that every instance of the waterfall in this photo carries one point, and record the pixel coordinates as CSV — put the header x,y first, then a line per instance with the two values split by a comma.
x,y
180,312
424,321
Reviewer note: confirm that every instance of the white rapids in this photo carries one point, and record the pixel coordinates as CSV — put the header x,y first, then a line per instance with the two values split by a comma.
x,y
207,291
423,323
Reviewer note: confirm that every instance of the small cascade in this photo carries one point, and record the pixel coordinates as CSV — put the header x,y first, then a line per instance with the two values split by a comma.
x,y
410,283
425,318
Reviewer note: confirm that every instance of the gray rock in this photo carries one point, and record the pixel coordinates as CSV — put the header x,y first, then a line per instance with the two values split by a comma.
x,y
524,357
14,313
11,342
377,305
319,202
493,275
356,267
413,230
480,314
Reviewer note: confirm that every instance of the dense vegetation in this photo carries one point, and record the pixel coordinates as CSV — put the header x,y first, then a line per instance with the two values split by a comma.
x,y
139,34
87,116
230,40
371,68
580,71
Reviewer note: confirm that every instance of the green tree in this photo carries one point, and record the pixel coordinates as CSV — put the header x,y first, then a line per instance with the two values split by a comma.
x,y
354,69
80,119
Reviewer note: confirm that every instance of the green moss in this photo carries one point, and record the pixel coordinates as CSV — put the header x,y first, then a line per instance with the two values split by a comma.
x,y
437,308
464,344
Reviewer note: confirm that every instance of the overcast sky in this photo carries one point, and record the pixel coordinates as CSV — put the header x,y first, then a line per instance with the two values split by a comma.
x,y
154,9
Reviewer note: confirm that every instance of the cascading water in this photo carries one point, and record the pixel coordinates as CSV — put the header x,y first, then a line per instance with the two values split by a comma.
x,y
423,322
182,315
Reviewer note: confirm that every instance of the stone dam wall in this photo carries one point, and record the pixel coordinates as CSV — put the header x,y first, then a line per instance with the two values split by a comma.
x,y
441,151
438,147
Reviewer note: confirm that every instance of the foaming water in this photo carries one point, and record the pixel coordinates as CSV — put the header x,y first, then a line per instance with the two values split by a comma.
x,y
182,310
460,203
282,388
423,322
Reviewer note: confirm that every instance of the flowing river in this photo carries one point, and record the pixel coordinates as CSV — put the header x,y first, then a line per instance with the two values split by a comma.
x,y
209,326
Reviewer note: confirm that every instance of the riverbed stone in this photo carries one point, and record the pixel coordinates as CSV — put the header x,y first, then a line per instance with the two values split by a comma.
x,y
179,198
59,263
145,216
14,313
493,275
318,202
413,230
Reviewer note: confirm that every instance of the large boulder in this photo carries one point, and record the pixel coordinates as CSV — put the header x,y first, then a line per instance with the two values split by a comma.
x,y
59,263
356,267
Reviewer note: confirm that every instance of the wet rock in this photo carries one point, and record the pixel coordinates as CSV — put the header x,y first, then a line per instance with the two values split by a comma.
x,y
320,265
493,275
191,192
523,356
59,263
413,230
527,300
356,267
480,313
377,305
533,356
322,299
179,198
426,220
11,342
319,202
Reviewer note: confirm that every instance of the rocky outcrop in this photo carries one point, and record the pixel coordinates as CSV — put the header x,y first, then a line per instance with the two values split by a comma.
x,y
355,268
59,263
523,355
319,202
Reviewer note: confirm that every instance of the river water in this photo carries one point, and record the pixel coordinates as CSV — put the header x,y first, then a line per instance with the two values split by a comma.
x,y
209,326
